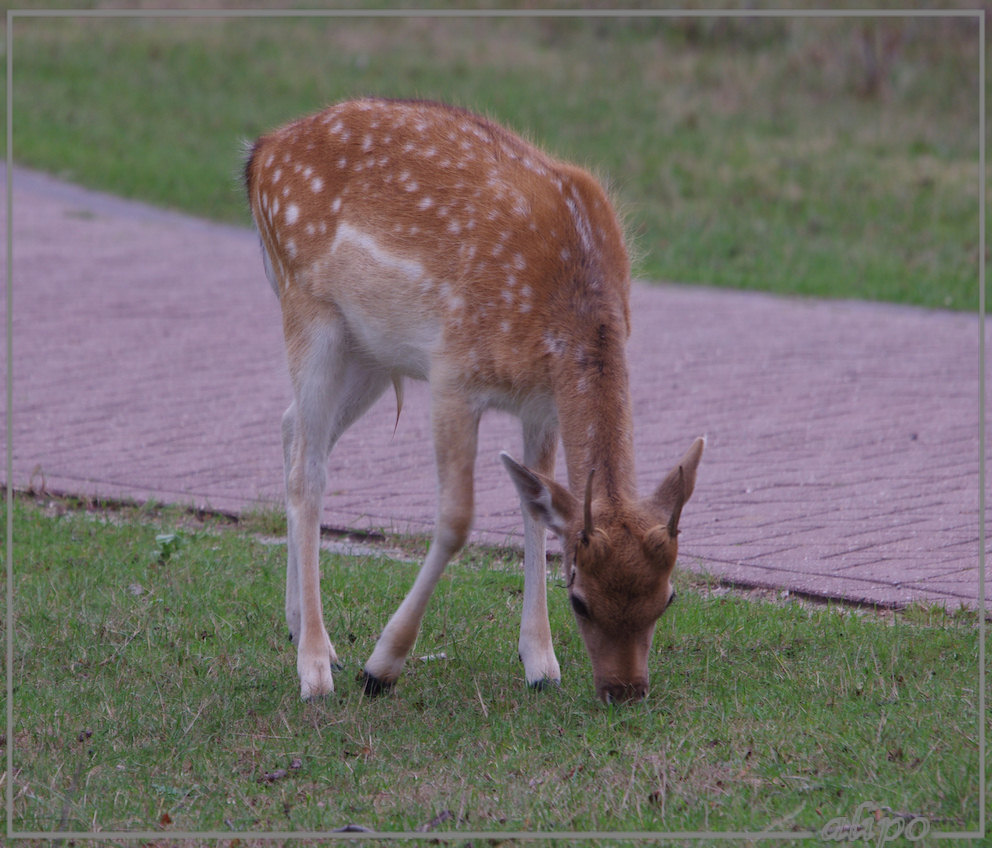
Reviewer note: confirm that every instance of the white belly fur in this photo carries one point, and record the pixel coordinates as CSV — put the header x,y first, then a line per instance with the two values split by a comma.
x,y
384,299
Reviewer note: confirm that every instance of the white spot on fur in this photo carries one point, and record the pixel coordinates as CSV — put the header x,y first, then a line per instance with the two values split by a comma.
x,y
581,220
555,345
316,184
425,203
292,214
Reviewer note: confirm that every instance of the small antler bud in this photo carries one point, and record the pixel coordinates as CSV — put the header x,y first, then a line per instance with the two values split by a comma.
x,y
587,510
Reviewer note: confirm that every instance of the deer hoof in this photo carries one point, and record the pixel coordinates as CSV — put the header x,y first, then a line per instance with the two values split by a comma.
x,y
315,698
313,691
544,684
373,686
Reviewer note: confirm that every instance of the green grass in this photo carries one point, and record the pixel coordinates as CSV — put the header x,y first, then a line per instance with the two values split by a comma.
x,y
823,157
154,689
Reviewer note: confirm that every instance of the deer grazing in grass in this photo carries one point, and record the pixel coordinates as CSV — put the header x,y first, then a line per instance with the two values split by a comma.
x,y
409,239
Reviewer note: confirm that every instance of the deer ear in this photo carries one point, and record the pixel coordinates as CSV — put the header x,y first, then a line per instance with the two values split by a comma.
x,y
677,487
546,501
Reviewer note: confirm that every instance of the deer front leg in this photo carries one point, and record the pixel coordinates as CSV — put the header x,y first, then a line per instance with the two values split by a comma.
x,y
455,426
535,645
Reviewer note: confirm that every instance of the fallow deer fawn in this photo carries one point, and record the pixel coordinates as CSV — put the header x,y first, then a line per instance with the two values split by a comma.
x,y
413,239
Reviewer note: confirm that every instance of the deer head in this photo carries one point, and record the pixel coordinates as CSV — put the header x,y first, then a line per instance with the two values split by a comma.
x,y
618,558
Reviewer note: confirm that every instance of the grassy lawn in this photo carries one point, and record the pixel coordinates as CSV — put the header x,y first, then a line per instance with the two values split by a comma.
x,y
826,157
155,690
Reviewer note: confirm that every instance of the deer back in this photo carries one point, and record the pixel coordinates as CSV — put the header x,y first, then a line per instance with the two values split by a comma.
x,y
442,239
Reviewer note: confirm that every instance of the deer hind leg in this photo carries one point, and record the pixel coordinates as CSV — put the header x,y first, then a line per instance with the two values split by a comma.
x,y
292,560
535,645
332,388
455,424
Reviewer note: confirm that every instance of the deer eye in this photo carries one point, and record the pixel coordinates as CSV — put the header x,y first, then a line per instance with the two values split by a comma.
x,y
581,610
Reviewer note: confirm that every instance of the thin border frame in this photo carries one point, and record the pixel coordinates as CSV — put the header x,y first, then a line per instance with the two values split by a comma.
x,y
13,14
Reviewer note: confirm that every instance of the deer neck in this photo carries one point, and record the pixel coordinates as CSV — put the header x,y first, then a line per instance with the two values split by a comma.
x,y
594,412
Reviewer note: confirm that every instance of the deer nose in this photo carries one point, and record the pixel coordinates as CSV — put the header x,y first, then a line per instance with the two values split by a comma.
x,y
618,693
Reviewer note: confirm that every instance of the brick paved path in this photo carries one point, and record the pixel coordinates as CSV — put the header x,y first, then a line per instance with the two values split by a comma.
x,y
843,443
